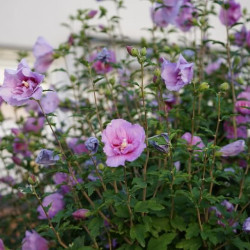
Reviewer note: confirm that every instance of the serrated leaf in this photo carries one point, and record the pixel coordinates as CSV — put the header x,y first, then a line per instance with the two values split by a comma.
x,y
161,242
146,206
138,232
191,244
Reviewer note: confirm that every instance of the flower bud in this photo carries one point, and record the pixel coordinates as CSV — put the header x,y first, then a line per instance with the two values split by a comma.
x,y
144,51
224,86
32,179
157,72
203,87
72,78
80,214
112,81
132,51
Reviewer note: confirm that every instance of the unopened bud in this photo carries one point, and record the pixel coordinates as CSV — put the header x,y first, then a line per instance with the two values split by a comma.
x,y
32,179
157,72
132,51
72,78
203,86
144,51
224,86
112,81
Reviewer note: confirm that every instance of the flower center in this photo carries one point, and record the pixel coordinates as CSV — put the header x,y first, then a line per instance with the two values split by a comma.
x,y
26,84
124,144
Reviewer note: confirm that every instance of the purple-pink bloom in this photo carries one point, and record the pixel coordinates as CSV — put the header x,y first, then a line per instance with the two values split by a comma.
x,y
212,67
1,245
248,39
56,203
50,102
246,225
230,13
164,14
123,142
62,179
177,75
34,241
218,214
80,214
233,148
34,124
20,85
77,145
43,53
102,61
240,37
243,103
185,16
22,147
196,140
241,129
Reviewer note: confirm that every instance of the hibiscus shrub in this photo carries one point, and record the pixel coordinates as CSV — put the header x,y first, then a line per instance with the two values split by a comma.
x,y
142,146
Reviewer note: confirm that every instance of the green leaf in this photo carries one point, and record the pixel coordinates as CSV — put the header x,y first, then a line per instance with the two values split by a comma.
x,y
178,223
138,232
95,226
191,244
192,230
146,206
241,244
161,242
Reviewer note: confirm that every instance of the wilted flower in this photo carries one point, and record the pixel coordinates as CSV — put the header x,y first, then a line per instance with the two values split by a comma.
x,y
102,61
196,140
43,53
92,145
50,102
160,142
240,37
230,13
80,214
177,75
185,16
123,142
229,206
246,225
233,148
47,157
20,85
56,203
212,67
34,241
77,145
34,124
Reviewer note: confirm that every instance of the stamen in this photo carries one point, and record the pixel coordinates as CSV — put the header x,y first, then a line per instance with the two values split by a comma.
x,y
26,84
124,144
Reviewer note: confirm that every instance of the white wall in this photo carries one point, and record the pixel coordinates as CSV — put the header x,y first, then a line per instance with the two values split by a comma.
x,y
22,21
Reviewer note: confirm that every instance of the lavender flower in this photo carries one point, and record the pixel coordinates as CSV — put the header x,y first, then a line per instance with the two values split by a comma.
x,y
212,67
240,37
21,85
92,145
233,148
91,14
56,203
230,13
43,53
50,102
246,225
77,145
185,16
177,75
34,124
33,241
47,157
